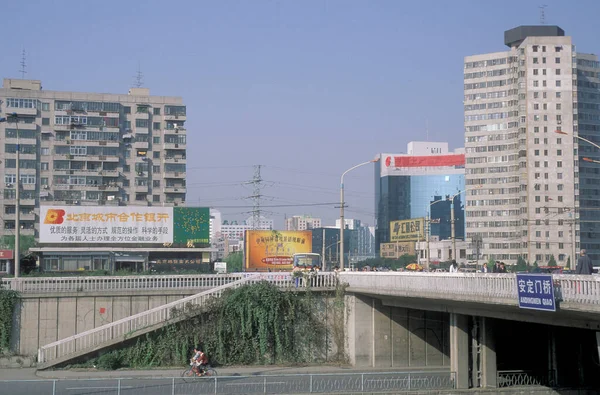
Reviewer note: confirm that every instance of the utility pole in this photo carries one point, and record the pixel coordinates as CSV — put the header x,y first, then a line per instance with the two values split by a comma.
x,y
257,184
323,251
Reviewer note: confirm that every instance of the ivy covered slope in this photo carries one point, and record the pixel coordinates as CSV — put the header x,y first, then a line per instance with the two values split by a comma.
x,y
253,324
8,301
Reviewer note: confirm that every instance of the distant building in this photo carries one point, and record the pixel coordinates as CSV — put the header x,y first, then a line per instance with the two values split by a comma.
x,y
215,223
298,222
408,185
235,230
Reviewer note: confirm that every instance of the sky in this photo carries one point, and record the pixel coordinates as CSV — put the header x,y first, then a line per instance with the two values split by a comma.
x,y
304,88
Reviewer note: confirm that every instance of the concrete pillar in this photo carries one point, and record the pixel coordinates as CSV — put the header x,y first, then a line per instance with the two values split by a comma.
x,y
459,349
489,369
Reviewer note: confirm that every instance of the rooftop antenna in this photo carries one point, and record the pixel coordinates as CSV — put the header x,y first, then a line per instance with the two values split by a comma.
x,y
139,78
543,14
23,70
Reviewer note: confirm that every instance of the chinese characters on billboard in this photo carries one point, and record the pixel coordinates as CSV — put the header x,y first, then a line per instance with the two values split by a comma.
x,y
407,230
81,224
268,249
192,226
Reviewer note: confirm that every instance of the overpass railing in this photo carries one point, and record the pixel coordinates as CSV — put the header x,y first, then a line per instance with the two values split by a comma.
x,y
472,287
94,339
117,283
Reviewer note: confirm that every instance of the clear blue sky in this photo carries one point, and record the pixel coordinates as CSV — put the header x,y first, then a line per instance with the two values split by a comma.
x,y
307,88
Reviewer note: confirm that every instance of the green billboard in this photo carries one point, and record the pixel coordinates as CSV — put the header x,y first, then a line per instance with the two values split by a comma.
x,y
191,226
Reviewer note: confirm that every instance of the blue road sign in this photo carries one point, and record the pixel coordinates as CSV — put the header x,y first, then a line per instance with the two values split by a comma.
x,y
536,291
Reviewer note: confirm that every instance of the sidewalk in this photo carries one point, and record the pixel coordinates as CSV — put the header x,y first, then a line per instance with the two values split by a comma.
x,y
32,374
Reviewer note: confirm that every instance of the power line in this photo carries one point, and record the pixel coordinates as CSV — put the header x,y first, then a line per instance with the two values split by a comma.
x,y
256,196
283,205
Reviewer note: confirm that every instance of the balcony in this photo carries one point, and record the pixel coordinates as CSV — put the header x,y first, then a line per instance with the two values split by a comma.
x,y
181,117
174,146
175,189
140,188
27,232
23,156
140,145
178,131
175,159
27,202
22,111
174,174
24,126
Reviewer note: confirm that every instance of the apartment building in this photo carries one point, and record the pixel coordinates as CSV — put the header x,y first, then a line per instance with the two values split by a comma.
x,y
527,111
88,149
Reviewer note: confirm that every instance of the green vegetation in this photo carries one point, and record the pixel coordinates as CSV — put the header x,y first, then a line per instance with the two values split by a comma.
x,y
552,261
235,262
568,266
25,243
392,264
521,265
8,301
253,324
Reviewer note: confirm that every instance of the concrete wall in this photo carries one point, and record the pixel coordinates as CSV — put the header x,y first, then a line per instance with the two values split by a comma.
x,y
388,336
43,319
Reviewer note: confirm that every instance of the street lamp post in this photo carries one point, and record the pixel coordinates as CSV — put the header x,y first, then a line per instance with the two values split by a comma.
x,y
342,224
14,118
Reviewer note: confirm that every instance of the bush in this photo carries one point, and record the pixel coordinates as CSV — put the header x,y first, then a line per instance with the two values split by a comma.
x,y
109,361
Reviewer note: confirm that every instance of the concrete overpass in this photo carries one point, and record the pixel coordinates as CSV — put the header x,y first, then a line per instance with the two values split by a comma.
x,y
466,314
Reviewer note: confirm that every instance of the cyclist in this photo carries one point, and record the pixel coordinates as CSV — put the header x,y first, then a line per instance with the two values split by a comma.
x,y
199,361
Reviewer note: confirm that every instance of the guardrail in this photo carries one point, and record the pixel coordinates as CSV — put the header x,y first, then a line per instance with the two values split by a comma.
x,y
327,383
117,283
474,287
105,334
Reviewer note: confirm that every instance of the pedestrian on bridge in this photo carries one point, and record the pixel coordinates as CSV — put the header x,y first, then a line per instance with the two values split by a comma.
x,y
584,264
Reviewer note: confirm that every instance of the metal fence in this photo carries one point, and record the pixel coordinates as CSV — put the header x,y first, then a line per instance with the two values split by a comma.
x,y
524,378
344,383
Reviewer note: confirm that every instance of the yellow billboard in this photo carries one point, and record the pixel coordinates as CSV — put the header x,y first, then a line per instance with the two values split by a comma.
x,y
272,249
407,230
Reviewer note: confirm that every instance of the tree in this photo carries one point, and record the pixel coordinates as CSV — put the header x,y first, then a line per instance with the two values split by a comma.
x,y
25,243
552,261
521,265
235,262
568,266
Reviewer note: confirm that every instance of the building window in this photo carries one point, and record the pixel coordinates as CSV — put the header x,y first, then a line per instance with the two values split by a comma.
x,y
535,48
558,95
535,61
543,71
45,106
537,199
544,60
538,233
45,121
156,154
557,60
538,210
156,183
141,123
127,110
557,71
559,163
536,140
44,166
156,140
155,169
544,83
536,95
558,106
545,163
156,111
559,176
545,106
536,106
557,83
45,151
126,168
125,182
537,163
558,152
536,152
560,198
536,129
155,125
536,84
156,198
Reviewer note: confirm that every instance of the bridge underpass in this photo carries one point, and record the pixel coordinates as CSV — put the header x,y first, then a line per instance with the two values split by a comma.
x,y
484,346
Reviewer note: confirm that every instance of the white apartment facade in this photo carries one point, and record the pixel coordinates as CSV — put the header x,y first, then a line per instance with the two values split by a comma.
x,y
523,167
88,149
298,222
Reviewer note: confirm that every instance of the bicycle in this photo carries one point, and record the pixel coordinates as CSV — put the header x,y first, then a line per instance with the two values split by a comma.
x,y
189,373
